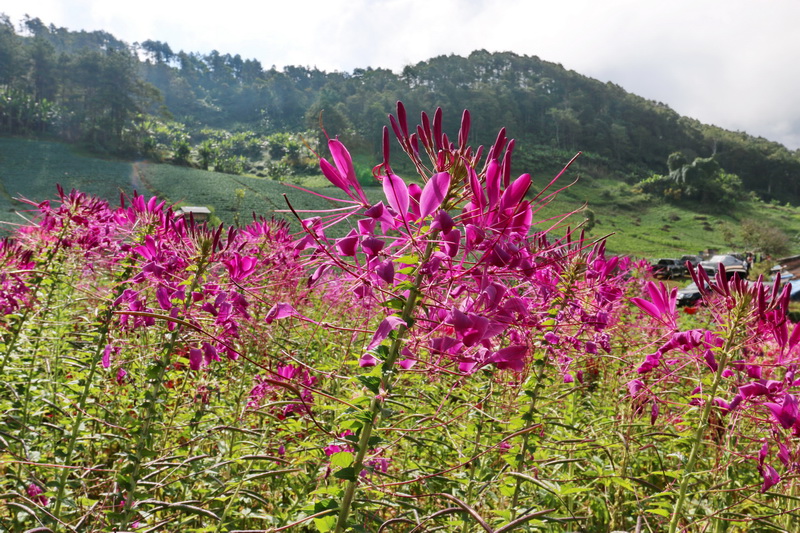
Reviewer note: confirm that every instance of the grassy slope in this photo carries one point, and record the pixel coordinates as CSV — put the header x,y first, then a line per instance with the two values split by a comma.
x,y
639,227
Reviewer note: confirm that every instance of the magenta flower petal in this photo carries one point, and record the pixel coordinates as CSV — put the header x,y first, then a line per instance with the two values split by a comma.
x,y
209,353
771,478
467,366
380,213
333,175
654,410
783,455
396,193
646,306
516,192
389,324
415,194
406,364
748,390
366,226
385,271
107,356
195,358
493,177
511,358
368,360
343,161
280,310
634,386
372,246
162,295
762,453
434,193
794,338
443,221
36,494
347,245
452,241
786,412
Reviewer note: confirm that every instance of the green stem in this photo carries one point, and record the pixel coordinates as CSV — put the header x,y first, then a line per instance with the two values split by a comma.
x,y
32,366
105,325
697,440
73,438
242,477
524,451
472,467
37,282
385,387
152,395
144,433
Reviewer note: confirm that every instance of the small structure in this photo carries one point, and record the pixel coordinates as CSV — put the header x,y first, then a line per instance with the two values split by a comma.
x,y
790,264
200,214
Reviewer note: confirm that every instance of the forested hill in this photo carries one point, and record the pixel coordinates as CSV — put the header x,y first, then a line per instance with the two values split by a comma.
x,y
92,88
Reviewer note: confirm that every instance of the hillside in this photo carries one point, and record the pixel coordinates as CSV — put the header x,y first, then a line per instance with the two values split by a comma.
x,y
636,225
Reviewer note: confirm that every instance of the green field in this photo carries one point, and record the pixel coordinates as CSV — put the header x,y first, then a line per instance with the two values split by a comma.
x,y
636,225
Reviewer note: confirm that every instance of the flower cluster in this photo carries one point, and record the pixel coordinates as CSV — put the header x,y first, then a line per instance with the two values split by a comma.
x,y
298,382
465,243
750,349
36,494
170,272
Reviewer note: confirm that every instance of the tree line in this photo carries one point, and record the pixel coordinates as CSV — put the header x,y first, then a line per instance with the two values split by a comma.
x,y
92,88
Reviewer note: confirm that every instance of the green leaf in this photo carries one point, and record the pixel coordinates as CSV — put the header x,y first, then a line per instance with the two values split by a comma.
x,y
325,505
410,259
373,383
348,474
325,523
396,303
622,482
342,459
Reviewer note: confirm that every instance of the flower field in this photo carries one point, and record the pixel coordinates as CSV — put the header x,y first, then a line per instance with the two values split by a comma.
x,y
440,358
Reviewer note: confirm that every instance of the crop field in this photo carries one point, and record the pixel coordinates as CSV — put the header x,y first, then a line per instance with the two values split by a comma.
x,y
32,169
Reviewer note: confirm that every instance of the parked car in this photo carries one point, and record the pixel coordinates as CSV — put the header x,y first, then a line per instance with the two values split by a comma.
x,y
688,296
693,259
668,268
733,266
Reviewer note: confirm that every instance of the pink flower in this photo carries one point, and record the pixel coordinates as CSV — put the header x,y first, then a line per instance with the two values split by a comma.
x,y
368,360
36,494
107,356
785,413
661,305
771,477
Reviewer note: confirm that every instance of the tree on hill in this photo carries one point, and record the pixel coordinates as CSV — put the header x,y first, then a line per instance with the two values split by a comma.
x,y
758,237
702,180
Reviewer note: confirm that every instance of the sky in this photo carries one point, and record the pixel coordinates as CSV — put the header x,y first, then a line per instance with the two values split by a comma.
x,y
731,63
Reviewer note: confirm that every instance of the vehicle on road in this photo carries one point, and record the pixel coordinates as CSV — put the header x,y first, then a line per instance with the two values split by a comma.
x,y
693,259
733,266
668,268
689,296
